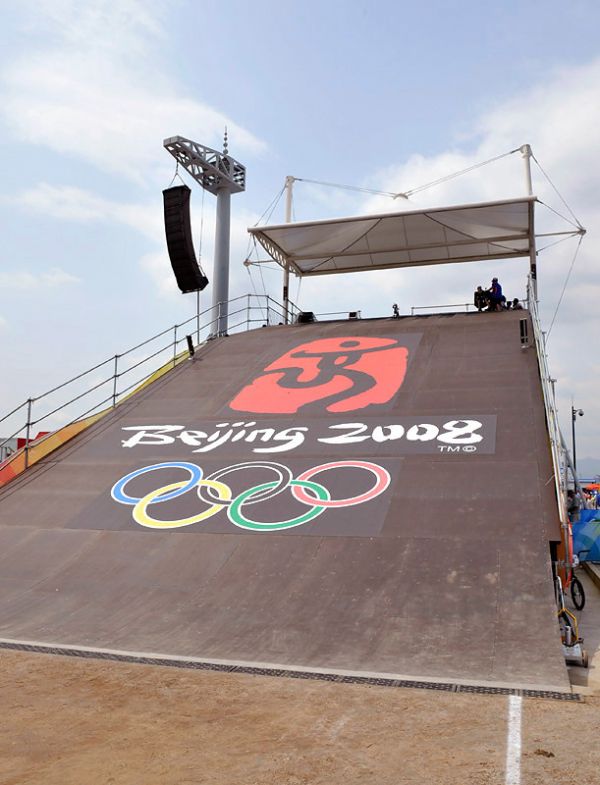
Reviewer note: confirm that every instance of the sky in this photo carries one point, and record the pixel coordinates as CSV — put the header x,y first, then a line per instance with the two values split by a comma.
x,y
383,95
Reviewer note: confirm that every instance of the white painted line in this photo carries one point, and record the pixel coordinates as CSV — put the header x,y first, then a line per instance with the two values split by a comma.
x,y
513,741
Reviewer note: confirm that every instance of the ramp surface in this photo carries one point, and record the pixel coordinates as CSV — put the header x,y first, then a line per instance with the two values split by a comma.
x,y
369,496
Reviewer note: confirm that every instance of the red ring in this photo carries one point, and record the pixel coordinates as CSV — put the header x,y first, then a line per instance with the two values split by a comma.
x,y
383,480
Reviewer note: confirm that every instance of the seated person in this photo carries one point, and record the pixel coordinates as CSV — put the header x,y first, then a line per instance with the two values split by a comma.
x,y
516,305
495,296
480,299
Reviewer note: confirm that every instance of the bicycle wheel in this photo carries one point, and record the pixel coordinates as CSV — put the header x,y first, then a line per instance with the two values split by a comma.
x,y
577,594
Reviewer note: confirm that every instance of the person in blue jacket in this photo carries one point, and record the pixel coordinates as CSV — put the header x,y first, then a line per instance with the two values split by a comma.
x,y
495,296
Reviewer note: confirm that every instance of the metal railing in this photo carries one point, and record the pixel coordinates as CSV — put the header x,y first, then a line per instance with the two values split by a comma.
x,y
415,308
455,306
554,433
107,383
345,314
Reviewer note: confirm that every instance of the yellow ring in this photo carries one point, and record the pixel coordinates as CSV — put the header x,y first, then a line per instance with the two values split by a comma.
x,y
141,516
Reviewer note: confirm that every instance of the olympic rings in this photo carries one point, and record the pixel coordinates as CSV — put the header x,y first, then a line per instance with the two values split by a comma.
x,y
235,511
219,496
141,516
382,475
285,478
120,496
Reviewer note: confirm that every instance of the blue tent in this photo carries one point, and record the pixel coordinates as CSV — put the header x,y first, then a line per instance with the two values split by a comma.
x,y
586,535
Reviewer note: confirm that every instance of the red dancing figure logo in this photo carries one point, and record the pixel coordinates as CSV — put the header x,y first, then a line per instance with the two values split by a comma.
x,y
340,374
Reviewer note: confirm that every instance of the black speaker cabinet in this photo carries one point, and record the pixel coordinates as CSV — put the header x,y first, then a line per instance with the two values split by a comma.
x,y
178,230
306,317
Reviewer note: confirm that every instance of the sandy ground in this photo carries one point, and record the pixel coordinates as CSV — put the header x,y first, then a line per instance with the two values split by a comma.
x,y
69,721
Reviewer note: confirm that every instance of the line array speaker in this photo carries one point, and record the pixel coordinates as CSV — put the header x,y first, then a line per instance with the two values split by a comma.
x,y
180,244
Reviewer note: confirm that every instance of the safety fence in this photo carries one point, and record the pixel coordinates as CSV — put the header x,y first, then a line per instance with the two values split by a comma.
x,y
111,381
556,440
437,308
467,307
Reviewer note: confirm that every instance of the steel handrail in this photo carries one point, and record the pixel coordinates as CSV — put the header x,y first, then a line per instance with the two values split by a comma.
x,y
145,360
14,411
70,381
139,381
554,432
414,308
13,435
73,400
254,302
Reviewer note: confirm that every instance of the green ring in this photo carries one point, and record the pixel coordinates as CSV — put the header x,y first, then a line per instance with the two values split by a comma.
x,y
235,514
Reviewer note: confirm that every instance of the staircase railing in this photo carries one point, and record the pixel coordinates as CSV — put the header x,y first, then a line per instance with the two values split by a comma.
x,y
554,433
108,382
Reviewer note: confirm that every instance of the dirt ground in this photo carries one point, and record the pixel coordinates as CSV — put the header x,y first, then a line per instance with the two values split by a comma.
x,y
67,721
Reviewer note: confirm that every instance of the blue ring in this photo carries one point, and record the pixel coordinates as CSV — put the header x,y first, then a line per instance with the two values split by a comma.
x,y
120,496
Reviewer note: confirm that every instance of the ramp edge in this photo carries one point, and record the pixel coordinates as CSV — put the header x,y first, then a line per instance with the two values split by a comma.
x,y
290,671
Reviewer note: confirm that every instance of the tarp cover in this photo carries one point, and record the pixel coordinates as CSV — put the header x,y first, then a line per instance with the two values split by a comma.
x,y
464,233
586,535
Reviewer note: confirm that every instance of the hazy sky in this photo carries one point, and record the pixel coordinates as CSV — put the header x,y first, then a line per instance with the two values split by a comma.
x,y
384,95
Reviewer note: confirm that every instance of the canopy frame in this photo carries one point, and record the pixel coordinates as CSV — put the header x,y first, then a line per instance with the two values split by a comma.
x,y
279,249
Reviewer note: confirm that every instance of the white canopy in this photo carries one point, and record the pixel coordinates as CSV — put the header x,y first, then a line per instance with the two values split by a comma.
x,y
464,233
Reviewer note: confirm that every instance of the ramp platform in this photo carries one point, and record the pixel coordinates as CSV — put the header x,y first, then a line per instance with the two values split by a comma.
x,y
367,497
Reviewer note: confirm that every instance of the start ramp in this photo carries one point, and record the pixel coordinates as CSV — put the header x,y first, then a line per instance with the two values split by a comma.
x,y
366,497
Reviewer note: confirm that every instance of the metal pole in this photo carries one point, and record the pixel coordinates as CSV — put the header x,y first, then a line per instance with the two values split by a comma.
x,y
28,431
553,382
198,318
221,268
526,154
174,344
573,415
116,376
248,313
289,184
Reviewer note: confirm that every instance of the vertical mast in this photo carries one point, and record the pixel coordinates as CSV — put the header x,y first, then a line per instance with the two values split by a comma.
x,y
526,153
289,184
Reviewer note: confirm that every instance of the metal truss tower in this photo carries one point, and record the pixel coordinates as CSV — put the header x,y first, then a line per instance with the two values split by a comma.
x,y
222,175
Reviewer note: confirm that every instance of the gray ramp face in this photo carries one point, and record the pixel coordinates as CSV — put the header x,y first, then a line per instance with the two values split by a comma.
x,y
367,496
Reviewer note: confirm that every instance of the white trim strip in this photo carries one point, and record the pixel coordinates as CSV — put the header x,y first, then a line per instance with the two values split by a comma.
x,y
513,741
22,644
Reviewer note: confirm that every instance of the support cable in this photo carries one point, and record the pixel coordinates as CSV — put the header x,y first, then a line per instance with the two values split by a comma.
x,y
557,242
248,264
201,229
262,280
176,175
406,194
268,212
252,282
271,206
447,177
565,285
577,225
298,289
560,196
391,194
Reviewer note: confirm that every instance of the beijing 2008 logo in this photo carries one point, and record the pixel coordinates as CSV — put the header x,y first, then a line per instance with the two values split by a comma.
x,y
339,374
212,491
